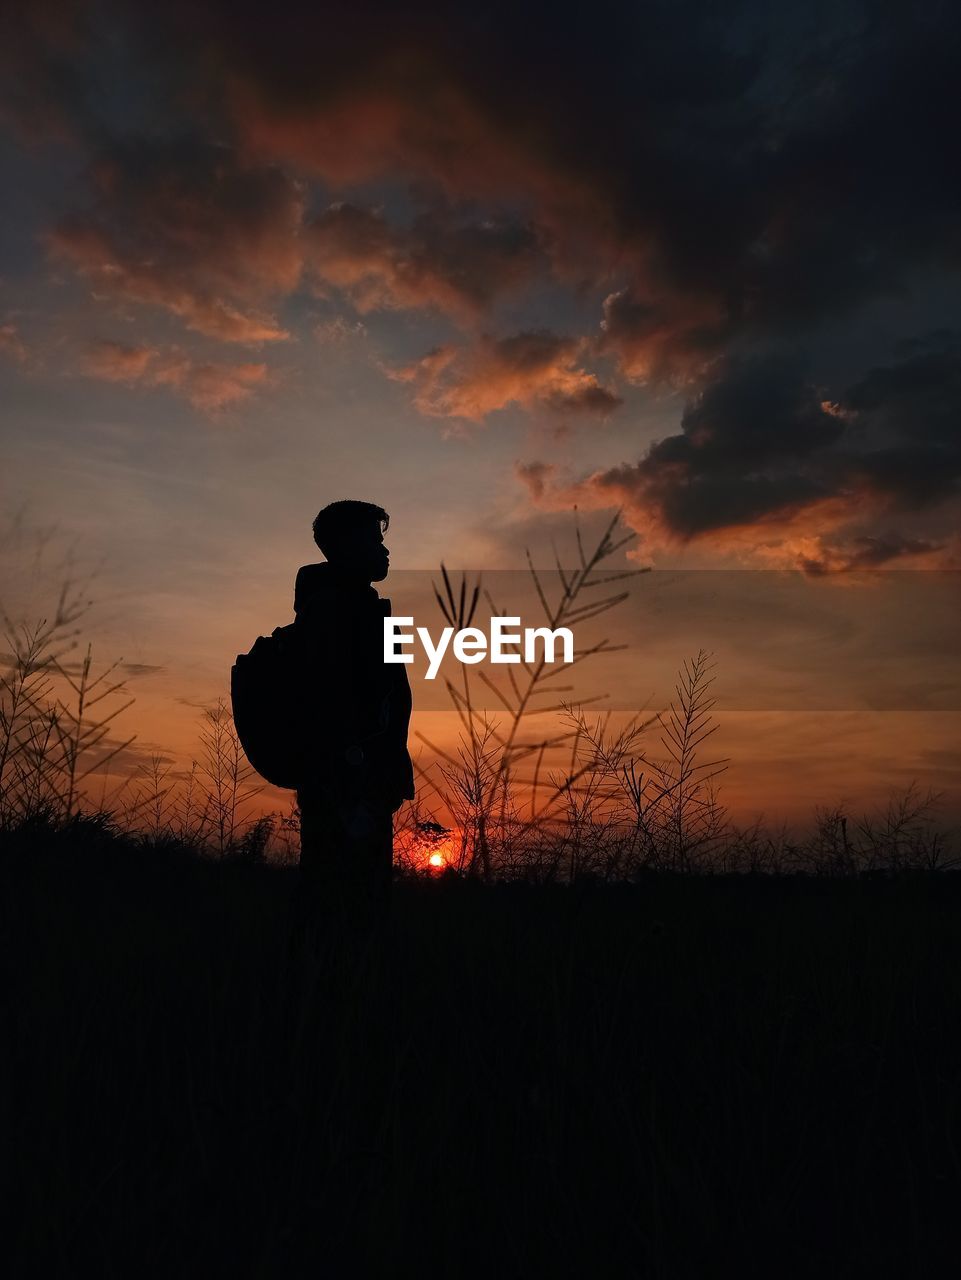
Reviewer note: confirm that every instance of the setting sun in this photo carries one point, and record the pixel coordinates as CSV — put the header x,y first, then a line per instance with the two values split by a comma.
x,y
432,846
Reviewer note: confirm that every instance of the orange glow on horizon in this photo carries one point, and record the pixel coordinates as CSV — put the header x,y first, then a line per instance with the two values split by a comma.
x,y
433,848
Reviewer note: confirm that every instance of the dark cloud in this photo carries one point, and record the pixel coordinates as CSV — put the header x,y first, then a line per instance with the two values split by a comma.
x,y
535,475
188,226
742,454
761,445
727,172
911,410
911,475
755,413
440,260
919,397
737,172
867,552
45,81
756,165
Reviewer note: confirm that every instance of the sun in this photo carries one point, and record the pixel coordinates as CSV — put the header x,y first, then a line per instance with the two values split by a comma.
x,y
434,845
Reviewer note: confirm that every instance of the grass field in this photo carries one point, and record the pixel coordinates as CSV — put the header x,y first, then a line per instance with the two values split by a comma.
x,y
682,1077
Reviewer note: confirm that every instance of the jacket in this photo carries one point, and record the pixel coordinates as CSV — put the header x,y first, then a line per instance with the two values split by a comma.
x,y
356,707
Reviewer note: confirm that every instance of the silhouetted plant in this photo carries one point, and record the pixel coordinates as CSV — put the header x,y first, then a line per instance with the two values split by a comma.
x,y
55,716
285,843
251,846
153,798
668,801
903,838
481,781
227,777
80,730
190,818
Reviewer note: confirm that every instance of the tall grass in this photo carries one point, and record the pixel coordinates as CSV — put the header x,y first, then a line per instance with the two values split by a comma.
x,y
594,800
56,714
58,711
480,785
587,797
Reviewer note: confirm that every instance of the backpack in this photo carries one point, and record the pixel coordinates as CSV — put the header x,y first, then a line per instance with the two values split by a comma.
x,y
266,706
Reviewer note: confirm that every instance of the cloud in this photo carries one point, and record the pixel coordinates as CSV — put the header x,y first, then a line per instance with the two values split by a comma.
x,y
661,341
870,552
209,387
458,267
910,411
44,88
719,176
141,668
214,387
12,346
187,226
711,185
117,362
762,453
733,174
339,331
743,454
536,476
535,370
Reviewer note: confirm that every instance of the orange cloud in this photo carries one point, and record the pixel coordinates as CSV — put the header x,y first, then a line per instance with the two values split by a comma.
x,y
669,340
189,228
209,387
117,362
535,370
214,387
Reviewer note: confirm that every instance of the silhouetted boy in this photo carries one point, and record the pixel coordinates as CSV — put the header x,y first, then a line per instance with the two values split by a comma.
x,y
357,770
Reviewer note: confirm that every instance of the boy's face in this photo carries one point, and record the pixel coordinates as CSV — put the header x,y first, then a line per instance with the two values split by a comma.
x,y
363,553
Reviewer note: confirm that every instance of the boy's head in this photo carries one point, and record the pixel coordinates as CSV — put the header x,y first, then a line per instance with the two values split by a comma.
x,y
351,536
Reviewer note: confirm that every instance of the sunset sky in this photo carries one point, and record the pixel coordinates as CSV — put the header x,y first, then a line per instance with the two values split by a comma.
x,y
479,265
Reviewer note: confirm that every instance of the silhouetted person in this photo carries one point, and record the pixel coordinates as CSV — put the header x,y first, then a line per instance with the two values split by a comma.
x,y
356,767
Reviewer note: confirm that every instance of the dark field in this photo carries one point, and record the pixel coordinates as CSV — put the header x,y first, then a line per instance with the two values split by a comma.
x,y
685,1077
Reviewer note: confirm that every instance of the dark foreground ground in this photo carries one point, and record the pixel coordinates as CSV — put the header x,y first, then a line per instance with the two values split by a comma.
x,y
682,1078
